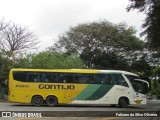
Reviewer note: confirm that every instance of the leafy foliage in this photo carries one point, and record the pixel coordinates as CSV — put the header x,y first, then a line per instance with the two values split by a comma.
x,y
142,66
101,44
48,60
155,87
5,65
152,21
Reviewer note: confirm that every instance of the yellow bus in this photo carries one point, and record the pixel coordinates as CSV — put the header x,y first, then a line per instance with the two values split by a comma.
x,y
76,86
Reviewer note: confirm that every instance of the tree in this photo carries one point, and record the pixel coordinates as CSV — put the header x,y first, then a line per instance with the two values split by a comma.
x,y
50,60
24,61
100,44
142,67
3,24
152,21
5,65
155,88
15,38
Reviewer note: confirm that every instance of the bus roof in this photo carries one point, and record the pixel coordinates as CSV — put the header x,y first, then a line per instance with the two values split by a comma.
x,y
118,71
75,71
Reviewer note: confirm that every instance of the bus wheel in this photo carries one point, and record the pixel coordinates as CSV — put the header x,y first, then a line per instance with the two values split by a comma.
x,y
51,101
37,100
123,102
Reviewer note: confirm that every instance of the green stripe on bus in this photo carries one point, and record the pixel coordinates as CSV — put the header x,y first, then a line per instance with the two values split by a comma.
x,y
100,92
88,91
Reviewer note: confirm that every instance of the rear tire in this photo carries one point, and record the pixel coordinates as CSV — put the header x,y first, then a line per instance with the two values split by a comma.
x,y
123,102
37,101
51,101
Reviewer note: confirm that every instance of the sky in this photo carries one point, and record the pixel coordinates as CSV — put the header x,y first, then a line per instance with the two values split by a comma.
x,y
50,18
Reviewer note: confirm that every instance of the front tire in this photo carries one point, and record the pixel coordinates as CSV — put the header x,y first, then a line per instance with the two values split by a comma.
x,y
37,101
51,101
123,102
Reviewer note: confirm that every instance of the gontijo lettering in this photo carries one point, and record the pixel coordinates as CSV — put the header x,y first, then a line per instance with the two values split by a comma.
x,y
59,87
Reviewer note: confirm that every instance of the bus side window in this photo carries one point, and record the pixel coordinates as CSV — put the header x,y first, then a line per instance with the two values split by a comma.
x,y
97,78
89,79
117,79
53,78
43,77
61,78
32,77
122,81
106,79
69,78
48,77
78,78
66,78
20,76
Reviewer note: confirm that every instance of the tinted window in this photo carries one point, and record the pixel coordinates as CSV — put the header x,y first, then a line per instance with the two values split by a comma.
x,y
53,77
66,78
42,77
79,78
90,78
105,78
20,76
118,79
33,77
131,77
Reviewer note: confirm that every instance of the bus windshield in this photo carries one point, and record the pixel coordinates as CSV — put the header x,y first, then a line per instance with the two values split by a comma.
x,y
139,85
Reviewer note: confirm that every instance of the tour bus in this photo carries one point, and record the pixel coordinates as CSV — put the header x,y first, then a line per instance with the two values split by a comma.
x,y
76,86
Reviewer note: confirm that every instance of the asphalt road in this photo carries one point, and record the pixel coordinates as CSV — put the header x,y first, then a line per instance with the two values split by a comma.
x,y
80,112
152,105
